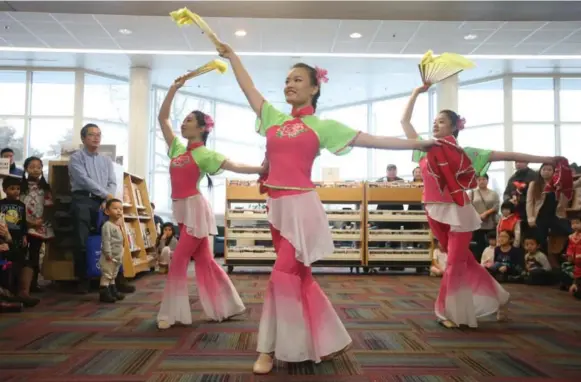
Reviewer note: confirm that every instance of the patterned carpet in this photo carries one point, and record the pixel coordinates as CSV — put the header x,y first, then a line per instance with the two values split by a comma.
x,y
390,318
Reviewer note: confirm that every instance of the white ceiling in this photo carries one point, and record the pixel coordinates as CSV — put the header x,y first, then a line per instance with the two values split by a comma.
x,y
351,79
75,31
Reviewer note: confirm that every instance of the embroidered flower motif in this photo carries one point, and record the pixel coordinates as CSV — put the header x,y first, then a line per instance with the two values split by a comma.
x,y
180,161
290,130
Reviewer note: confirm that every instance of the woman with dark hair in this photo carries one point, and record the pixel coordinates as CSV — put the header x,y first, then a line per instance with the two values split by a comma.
x,y
298,322
467,290
188,165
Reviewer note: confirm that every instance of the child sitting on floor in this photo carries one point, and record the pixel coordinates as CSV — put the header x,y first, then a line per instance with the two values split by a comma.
x,y
487,259
537,266
440,259
166,244
571,270
508,259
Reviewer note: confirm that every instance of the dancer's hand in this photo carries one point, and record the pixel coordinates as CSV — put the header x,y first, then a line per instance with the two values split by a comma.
x,y
573,288
264,167
422,89
225,51
558,159
179,82
503,269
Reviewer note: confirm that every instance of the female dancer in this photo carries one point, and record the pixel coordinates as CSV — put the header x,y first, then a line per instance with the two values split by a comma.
x,y
298,322
188,165
467,290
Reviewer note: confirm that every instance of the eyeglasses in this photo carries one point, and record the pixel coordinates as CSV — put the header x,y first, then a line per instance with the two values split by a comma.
x,y
94,135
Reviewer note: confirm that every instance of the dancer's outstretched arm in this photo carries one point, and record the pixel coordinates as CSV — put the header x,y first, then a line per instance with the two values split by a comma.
x,y
242,168
255,99
406,118
506,156
163,116
389,143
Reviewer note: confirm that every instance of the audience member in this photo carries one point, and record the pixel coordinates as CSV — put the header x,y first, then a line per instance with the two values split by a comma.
x,y
93,182
509,221
508,259
487,259
111,252
166,244
157,220
7,152
486,203
537,266
523,174
440,259
571,269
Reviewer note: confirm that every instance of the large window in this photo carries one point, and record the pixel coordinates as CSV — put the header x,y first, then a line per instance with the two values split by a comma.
x,y
106,103
12,110
12,135
48,135
482,103
570,139
534,139
387,115
236,124
352,166
53,94
570,96
533,100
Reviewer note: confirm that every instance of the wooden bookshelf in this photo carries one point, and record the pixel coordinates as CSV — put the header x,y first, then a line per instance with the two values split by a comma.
x,y
137,214
415,249
247,235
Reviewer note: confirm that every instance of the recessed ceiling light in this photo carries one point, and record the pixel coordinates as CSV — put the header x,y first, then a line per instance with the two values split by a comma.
x,y
470,37
355,35
125,31
240,33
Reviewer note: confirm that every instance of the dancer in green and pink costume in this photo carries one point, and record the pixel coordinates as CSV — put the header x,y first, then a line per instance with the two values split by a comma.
x,y
188,165
298,322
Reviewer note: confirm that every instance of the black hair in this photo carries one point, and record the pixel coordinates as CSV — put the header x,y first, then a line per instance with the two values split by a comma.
x,y
10,181
201,119
491,235
152,205
508,205
509,233
314,81
111,201
391,167
42,183
168,240
454,119
85,129
531,237
6,150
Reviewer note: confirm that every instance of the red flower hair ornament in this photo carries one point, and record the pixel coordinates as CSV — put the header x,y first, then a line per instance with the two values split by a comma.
x,y
209,123
321,75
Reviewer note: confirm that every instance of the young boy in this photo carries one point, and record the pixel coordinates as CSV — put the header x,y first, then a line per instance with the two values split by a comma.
x,y
509,222
13,213
537,266
571,270
111,251
487,259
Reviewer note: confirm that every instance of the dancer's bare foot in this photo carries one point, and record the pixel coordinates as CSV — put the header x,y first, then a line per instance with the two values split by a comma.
x,y
162,325
263,364
502,313
448,324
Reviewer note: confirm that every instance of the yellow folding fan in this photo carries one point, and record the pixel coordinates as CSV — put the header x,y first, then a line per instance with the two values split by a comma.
x,y
186,17
218,65
434,69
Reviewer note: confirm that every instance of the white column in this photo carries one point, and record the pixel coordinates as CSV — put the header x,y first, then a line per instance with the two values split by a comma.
x,y
139,120
79,107
508,125
447,94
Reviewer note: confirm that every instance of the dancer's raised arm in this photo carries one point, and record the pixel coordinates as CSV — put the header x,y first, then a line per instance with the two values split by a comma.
x,y
164,112
406,118
255,99
506,156
389,143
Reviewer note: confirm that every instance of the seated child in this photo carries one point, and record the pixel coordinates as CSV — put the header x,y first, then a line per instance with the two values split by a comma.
x,y
537,266
507,258
111,251
509,221
571,270
13,213
8,302
440,259
487,259
166,244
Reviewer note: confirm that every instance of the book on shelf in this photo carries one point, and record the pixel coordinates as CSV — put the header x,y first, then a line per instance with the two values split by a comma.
x,y
126,194
147,241
130,232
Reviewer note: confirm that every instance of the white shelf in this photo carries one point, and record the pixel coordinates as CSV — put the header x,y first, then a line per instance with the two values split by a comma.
x,y
261,215
267,253
397,216
249,233
386,254
399,235
346,234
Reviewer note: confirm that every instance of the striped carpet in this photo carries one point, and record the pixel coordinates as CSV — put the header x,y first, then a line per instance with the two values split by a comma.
x,y
390,318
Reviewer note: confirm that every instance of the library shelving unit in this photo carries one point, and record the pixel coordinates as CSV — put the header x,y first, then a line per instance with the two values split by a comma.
x,y
247,234
413,240
139,229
